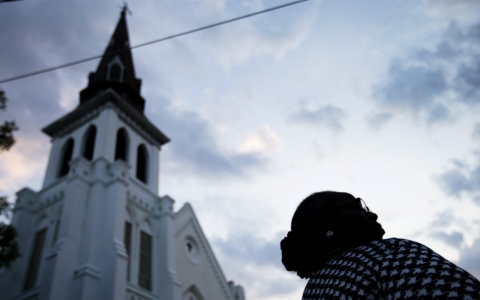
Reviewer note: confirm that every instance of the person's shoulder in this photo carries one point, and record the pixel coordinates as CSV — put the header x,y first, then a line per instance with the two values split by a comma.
x,y
399,244
403,242
390,246
408,247
391,242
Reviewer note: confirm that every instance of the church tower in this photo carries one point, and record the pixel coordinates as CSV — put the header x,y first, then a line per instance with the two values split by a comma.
x,y
97,229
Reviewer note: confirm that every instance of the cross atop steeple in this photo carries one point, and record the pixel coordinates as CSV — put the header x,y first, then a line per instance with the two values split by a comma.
x,y
125,8
116,69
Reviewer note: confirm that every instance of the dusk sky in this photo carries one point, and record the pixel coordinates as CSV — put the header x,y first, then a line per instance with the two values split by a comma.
x,y
380,99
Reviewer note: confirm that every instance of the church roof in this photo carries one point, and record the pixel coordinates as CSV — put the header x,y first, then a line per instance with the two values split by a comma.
x,y
186,219
116,70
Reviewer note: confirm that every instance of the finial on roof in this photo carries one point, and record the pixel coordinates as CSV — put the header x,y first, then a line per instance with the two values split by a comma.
x,y
125,8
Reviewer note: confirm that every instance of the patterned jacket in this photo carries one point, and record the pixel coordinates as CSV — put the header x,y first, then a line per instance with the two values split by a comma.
x,y
391,269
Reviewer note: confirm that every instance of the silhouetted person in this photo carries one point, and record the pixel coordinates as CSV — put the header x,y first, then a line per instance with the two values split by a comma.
x,y
337,243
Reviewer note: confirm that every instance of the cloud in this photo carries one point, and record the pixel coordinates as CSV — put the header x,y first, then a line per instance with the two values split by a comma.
x,y
195,149
58,37
329,116
469,258
252,250
413,88
467,81
316,151
247,255
461,180
462,10
235,43
378,120
454,239
444,219
24,163
476,132
263,141
443,51
428,83
215,4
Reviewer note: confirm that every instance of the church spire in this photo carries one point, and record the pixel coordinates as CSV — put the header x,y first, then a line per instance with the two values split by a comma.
x,y
116,69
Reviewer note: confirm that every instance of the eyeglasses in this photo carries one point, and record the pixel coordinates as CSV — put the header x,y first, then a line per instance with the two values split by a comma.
x,y
356,201
364,205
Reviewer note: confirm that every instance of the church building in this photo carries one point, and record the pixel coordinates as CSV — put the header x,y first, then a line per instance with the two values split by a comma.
x,y
97,229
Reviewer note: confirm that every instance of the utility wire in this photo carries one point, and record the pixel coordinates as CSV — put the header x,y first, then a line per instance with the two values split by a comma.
x,y
148,43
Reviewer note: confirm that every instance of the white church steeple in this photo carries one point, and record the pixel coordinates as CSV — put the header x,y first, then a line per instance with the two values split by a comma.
x,y
98,229
98,220
109,122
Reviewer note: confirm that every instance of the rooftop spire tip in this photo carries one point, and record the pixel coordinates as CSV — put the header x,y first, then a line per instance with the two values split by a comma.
x,y
125,8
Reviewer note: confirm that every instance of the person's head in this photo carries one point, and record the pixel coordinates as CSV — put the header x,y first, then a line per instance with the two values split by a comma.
x,y
325,222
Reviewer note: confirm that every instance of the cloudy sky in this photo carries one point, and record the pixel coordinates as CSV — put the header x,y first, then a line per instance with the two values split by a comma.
x,y
377,98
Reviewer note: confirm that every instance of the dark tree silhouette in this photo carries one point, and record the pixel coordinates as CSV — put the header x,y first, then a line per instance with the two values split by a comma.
x,y
6,130
9,250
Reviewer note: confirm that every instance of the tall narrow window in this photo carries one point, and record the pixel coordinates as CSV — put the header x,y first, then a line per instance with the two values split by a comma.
x,y
55,234
121,147
145,272
115,72
127,240
89,142
142,163
35,259
66,156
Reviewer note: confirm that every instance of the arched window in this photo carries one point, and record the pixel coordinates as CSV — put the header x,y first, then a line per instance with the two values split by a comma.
x,y
65,157
142,163
89,142
121,147
115,72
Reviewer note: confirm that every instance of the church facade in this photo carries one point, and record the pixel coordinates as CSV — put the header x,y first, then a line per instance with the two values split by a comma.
x,y
97,229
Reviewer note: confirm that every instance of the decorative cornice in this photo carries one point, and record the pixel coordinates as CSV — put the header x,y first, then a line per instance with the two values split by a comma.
x,y
34,204
135,126
53,184
105,100
80,168
153,209
67,125
119,171
87,270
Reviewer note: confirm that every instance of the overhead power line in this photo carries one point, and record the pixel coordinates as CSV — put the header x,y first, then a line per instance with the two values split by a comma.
x,y
149,43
